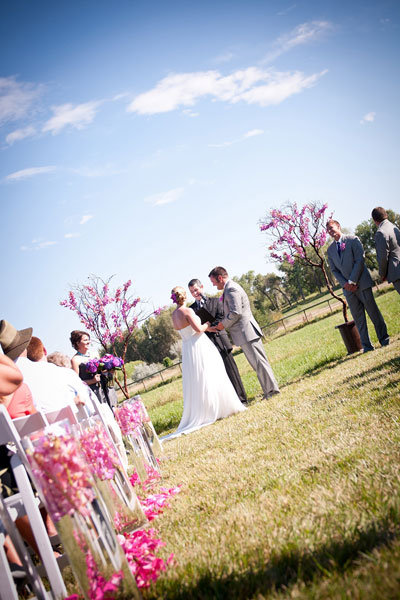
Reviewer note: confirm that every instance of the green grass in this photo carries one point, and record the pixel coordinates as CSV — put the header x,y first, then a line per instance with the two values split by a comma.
x,y
298,497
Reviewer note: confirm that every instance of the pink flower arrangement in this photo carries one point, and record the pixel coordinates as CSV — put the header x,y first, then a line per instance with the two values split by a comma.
x,y
99,452
342,246
129,417
63,474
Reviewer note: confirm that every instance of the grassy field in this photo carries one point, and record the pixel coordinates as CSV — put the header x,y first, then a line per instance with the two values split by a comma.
x,y
299,496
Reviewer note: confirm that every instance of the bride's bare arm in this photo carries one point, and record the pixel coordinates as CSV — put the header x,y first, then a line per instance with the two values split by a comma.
x,y
194,320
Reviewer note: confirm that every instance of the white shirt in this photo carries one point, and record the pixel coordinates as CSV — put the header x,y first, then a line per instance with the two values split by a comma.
x,y
76,387
48,387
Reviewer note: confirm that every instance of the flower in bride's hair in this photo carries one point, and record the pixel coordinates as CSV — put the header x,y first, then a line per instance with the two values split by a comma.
x,y
174,298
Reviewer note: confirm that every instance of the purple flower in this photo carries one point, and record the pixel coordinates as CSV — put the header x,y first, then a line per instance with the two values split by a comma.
x,y
92,366
342,246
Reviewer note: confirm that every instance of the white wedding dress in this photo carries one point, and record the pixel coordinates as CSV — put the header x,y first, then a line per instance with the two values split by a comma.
x,y
208,394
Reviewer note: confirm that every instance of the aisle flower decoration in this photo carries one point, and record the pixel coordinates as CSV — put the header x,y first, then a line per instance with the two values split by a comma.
x,y
129,417
99,452
63,473
140,548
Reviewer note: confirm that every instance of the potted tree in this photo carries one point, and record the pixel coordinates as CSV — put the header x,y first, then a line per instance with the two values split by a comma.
x,y
299,234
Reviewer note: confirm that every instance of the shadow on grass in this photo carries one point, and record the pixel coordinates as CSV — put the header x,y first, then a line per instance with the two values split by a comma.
x,y
292,565
163,426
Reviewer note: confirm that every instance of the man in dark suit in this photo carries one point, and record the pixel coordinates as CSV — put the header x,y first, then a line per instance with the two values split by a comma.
x,y
219,339
347,263
387,242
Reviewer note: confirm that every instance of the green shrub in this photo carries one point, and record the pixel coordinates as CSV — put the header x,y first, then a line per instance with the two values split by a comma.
x,y
167,362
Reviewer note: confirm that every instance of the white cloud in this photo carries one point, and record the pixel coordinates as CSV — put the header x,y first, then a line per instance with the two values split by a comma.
x,y
45,244
31,172
223,144
38,244
281,87
368,118
85,219
16,98
252,85
165,197
285,11
78,116
20,134
190,113
302,34
253,132
71,235
245,136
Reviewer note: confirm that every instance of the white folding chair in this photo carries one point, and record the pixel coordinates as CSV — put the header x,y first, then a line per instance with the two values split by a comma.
x,y
8,589
27,502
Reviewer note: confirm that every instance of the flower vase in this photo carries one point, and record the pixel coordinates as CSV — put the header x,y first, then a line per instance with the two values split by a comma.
x,y
152,436
64,480
129,416
121,502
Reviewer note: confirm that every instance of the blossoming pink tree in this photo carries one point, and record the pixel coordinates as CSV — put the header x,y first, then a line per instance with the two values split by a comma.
x,y
300,235
111,315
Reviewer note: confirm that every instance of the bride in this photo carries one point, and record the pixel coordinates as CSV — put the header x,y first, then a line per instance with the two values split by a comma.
x,y
208,394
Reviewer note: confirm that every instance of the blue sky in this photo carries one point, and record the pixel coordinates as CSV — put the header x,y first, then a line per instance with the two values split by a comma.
x,y
146,140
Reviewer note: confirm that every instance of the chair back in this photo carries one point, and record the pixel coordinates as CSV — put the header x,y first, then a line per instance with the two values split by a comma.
x,y
29,424
60,415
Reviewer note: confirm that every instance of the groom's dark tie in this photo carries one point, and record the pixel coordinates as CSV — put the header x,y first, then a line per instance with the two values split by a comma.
x,y
338,248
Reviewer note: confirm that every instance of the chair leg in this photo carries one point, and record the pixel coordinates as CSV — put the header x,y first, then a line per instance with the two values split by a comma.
x,y
39,530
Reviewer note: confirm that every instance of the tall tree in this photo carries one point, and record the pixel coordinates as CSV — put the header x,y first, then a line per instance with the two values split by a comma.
x,y
111,315
299,235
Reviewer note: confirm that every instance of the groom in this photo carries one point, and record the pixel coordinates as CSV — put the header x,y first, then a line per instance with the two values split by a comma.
x,y
219,339
244,329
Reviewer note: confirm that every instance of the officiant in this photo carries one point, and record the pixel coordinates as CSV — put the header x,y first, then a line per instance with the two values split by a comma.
x,y
211,309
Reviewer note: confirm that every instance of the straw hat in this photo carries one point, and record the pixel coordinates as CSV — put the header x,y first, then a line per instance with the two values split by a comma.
x,y
12,341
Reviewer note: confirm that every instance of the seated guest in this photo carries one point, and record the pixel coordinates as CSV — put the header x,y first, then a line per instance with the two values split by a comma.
x,y
10,375
54,390
20,404
72,380
48,389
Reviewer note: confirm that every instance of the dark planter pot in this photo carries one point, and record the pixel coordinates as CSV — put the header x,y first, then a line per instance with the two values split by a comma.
x,y
350,336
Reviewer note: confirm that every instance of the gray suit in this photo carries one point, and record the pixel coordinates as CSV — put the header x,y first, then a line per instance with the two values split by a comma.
x,y
387,242
246,332
350,266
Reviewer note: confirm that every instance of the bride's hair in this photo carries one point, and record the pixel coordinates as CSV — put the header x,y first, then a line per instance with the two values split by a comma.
x,y
180,294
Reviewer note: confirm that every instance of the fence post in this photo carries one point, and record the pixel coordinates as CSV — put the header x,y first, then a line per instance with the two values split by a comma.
x,y
283,323
144,385
329,304
305,314
161,377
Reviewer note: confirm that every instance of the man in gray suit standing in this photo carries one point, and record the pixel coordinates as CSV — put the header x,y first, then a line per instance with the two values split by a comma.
x,y
244,329
346,260
387,242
